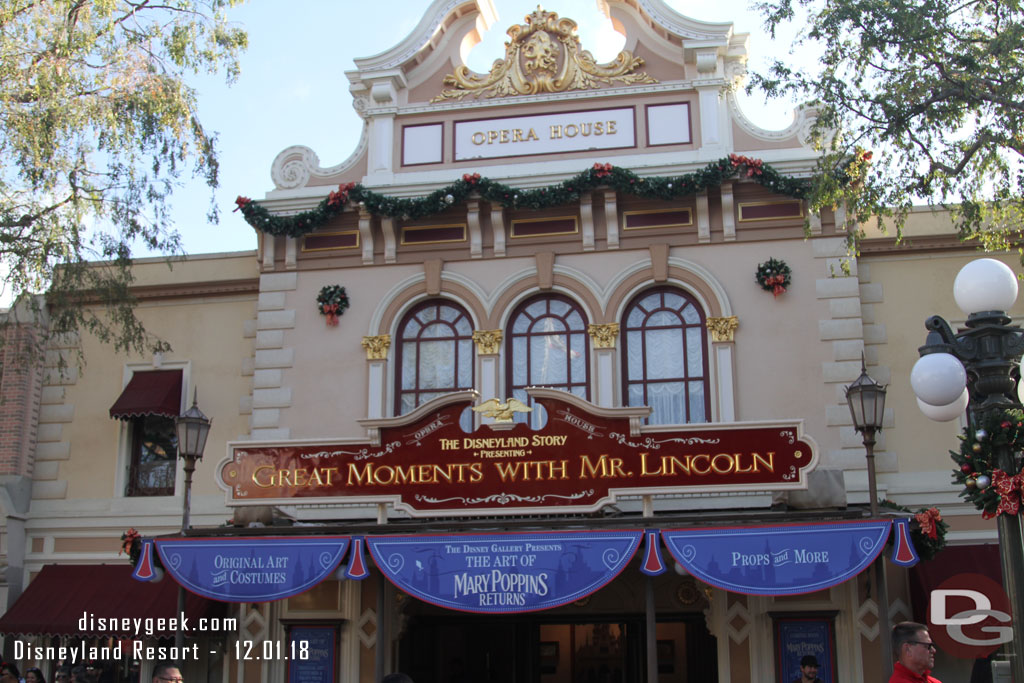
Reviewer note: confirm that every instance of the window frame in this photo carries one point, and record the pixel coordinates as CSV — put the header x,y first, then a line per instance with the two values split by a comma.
x,y
137,431
400,342
627,382
510,336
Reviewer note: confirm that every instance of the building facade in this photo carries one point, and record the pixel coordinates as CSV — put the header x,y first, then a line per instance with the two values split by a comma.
x,y
620,236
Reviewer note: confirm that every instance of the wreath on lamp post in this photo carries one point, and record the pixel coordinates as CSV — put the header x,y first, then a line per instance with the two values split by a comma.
x,y
332,302
131,544
992,490
774,276
927,533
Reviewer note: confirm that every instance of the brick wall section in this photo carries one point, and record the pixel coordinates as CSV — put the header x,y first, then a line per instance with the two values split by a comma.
x,y
21,381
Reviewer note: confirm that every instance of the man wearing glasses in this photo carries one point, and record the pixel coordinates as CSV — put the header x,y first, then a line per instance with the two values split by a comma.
x,y
167,673
915,653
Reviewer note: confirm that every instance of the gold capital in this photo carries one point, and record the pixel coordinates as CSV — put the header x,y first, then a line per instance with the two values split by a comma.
x,y
377,347
604,335
723,329
488,342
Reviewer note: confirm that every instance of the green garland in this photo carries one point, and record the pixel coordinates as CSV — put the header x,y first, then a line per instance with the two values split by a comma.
x,y
928,542
599,175
990,489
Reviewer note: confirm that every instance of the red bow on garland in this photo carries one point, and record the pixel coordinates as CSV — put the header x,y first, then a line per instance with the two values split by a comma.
x,y
241,202
1009,490
128,539
754,166
602,170
331,311
341,196
777,283
928,520
472,179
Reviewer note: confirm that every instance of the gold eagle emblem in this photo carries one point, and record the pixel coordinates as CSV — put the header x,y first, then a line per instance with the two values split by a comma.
x,y
502,412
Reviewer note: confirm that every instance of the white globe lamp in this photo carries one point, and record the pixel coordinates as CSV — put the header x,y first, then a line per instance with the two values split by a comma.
x,y
938,379
946,413
985,285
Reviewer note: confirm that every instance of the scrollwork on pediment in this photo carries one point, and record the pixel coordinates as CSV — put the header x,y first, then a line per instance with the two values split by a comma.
x,y
543,56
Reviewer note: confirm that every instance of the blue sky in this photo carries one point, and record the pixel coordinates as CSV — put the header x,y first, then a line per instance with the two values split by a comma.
x,y
293,89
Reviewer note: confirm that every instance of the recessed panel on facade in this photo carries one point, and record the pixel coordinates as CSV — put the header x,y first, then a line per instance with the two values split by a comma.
x,y
423,144
668,124
545,134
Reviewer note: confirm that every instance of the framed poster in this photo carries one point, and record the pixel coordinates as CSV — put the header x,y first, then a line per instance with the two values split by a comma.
x,y
800,634
313,653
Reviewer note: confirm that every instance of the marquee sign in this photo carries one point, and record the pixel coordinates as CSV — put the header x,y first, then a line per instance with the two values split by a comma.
x,y
504,573
582,459
778,560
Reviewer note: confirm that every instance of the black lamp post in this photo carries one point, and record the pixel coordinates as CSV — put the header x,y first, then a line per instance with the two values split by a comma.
x,y
984,358
866,399
192,427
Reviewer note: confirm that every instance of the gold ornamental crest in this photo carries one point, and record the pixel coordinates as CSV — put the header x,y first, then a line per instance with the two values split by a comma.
x,y
543,56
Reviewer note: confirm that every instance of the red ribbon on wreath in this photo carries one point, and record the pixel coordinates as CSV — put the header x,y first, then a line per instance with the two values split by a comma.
x,y
929,521
331,311
241,202
777,283
1009,490
128,539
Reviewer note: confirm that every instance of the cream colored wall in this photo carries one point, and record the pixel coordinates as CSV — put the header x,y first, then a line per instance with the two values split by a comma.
x,y
206,332
917,286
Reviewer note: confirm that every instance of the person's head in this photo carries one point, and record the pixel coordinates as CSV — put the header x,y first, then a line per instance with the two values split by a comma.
x,y
34,675
396,678
809,667
9,673
912,645
63,675
167,673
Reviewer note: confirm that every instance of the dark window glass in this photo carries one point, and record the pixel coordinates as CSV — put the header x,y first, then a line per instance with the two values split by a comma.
x,y
153,458
665,357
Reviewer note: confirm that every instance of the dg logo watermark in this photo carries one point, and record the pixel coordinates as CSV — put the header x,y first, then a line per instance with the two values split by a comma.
x,y
969,616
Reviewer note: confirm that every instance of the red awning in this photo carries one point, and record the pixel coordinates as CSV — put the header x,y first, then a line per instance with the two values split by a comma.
x,y
58,598
154,392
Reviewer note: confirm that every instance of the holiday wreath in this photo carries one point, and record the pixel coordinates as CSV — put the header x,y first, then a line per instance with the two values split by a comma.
x,y
928,533
992,490
332,302
774,276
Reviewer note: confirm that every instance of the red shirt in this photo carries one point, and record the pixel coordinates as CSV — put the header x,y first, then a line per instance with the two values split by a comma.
x,y
901,674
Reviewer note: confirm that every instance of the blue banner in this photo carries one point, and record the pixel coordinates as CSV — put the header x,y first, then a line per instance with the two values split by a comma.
x,y
504,573
251,569
778,560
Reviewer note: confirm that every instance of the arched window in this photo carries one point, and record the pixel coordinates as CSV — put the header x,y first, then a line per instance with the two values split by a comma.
x,y
547,342
665,357
435,354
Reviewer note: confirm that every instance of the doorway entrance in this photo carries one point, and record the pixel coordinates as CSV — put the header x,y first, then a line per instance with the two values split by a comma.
x,y
539,649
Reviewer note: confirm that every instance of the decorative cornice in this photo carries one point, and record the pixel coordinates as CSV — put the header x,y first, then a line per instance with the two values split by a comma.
x,y
488,342
377,347
543,55
603,335
723,329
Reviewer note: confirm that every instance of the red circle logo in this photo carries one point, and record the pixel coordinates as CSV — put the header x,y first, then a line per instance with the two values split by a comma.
x,y
969,616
